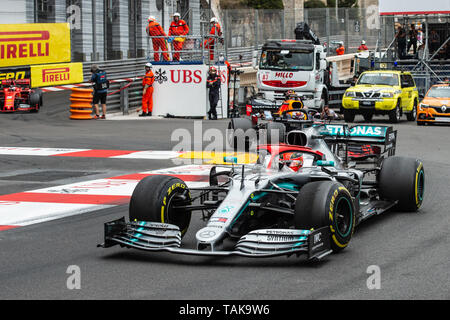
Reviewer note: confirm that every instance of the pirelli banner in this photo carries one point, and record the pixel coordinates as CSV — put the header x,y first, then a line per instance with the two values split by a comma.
x,y
34,43
56,74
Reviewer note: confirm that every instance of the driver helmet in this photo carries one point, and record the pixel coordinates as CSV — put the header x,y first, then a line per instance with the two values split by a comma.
x,y
296,162
290,94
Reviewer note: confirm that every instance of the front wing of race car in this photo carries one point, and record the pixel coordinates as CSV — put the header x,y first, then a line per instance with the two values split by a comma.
x,y
154,236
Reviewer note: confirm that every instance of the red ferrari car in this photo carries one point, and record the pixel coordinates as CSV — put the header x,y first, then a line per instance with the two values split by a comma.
x,y
17,95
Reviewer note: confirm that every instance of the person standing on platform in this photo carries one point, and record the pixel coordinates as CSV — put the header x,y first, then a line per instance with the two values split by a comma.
x,y
155,30
216,32
147,94
177,31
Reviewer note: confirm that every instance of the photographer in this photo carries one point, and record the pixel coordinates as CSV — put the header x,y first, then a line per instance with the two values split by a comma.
x,y
101,85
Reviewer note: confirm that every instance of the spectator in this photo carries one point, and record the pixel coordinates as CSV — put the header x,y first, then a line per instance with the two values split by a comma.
x,y
158,35
401,42
213,84
147,93
412,39
100,84
178,29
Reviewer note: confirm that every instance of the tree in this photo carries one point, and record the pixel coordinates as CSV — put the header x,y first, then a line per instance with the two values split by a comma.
x,y
265,4
342,3
314,4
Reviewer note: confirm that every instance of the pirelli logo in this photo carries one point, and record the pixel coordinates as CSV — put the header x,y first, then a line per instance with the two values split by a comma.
x,y
56,75
26,44
34,43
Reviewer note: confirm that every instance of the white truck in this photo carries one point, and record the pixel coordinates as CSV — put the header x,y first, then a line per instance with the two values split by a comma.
x,y
302,65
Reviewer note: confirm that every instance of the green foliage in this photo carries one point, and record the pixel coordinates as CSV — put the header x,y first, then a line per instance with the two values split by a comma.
x,y
314,4
264,4
343,3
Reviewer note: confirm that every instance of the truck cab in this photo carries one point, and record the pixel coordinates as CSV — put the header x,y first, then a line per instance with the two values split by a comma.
x,y
297,65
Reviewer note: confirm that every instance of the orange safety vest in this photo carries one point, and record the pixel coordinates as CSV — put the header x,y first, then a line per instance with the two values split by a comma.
x,y
215,31
179,28
340,51
154,29
148,79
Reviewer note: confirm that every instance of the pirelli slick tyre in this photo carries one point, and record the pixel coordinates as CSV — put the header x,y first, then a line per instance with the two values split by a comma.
x,y
154,199
36,100
239,136
402,179
326,203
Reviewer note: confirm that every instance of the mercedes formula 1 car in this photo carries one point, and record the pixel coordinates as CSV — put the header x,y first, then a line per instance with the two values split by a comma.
x,y
297,199
17,95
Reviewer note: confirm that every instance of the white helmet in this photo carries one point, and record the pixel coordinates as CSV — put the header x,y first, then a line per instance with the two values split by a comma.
x,y
176,14
363,42
148,65
151,18
213,19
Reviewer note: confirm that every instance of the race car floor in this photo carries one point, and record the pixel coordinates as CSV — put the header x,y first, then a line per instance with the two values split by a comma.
x,y
411,249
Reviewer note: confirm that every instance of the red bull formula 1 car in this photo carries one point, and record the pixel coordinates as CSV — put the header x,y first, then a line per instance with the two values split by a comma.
x,y
297,199
17,95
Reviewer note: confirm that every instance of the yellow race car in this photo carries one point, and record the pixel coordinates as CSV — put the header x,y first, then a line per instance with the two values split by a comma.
x,y
386,92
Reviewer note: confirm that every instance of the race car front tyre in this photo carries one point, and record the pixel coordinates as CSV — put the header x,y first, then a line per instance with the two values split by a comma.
x,y
35,101
402,179
154,200
275,133
240,135
326,203
349,115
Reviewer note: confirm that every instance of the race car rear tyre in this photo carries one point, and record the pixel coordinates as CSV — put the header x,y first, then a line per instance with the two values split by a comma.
x,y
275,133
402,179
154,199
349,115
326,203
239,136
411,116
396,113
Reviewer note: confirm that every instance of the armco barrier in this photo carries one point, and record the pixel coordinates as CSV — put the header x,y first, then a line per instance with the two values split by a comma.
x,y
81,104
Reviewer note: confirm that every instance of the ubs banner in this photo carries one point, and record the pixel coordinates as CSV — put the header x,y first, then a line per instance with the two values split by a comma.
x,y
180,90
56,74
34,43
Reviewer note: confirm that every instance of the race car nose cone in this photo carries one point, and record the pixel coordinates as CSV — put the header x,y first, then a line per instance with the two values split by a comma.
x,y
207,237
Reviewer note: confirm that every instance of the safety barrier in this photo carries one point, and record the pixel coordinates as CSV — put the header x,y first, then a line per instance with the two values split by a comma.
x,y
81,107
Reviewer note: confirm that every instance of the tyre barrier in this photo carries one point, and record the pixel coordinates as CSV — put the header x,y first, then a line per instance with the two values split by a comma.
x,y
81,104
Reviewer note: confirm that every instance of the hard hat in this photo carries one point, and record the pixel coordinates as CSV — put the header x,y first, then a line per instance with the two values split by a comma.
x,y
213,19
212,69
148,65
151,18
363,42
176,14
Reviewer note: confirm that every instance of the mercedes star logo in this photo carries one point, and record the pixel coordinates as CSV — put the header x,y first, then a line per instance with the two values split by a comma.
x,y
207,234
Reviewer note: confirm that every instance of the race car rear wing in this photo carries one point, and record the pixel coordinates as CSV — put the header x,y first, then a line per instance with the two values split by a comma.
x,y
361,134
